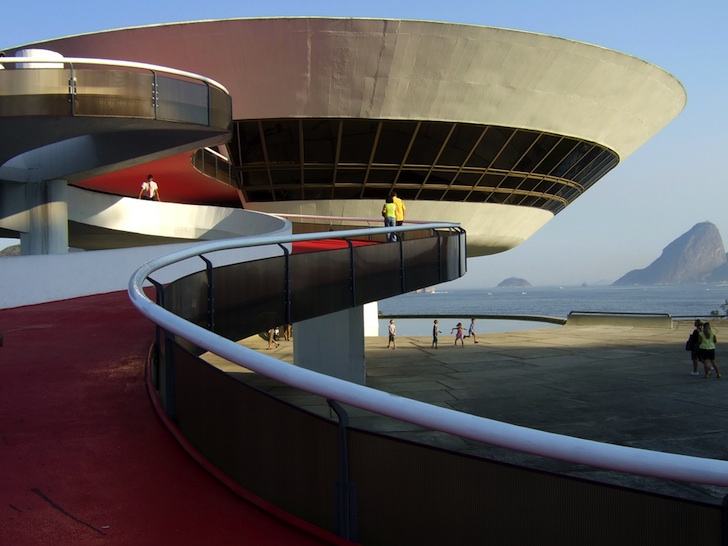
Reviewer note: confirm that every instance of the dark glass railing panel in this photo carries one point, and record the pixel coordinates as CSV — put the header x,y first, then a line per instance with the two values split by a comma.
x,y
113,90
278,452
181,100
326,291
113,93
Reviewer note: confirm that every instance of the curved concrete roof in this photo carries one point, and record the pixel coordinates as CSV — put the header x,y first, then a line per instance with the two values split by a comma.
x,y
395,69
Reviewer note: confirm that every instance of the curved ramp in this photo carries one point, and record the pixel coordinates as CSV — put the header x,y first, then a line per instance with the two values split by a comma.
x,y
100,221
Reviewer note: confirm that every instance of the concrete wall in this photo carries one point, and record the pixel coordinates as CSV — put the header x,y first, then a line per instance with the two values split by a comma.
x,y
397,69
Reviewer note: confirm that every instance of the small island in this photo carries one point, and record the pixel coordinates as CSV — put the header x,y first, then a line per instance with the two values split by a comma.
x,y
514,282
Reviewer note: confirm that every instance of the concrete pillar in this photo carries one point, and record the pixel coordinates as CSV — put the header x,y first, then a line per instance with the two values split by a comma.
x,y
371,319
333,345
47,203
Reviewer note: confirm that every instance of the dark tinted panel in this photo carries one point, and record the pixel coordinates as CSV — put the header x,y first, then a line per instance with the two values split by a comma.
x,y
430,140
394,141
319,137
357,141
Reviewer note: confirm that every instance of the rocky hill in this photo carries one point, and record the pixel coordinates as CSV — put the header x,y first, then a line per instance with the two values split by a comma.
x,y
695,256
514,282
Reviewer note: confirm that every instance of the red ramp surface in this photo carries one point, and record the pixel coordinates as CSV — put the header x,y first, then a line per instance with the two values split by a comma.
x,y
84,459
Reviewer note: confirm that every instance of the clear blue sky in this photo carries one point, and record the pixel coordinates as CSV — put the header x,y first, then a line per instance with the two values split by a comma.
x,y
672,183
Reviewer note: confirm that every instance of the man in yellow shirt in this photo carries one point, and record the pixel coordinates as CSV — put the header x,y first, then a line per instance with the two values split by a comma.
x,y
399,209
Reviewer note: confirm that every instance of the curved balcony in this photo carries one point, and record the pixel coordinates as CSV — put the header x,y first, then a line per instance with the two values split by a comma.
x,y
128,110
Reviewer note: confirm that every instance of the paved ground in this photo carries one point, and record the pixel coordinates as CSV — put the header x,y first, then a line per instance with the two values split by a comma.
x,y
623,385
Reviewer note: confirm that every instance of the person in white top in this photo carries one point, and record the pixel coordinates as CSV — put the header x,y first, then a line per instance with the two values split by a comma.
x,y
150,190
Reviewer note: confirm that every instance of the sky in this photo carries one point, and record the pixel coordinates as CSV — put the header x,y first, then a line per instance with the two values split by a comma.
x,y
624,221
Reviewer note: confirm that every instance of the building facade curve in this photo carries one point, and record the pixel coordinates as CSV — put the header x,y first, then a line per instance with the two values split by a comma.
x,y
496,129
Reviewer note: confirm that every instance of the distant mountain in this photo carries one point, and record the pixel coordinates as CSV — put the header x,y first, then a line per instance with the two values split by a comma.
x,y
695,256
514,282
13,250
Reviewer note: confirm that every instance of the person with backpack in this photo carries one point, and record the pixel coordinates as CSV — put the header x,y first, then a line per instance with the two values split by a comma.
x,y
692,345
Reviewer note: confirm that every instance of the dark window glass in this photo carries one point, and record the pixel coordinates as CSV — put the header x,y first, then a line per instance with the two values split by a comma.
x,y
566,167
549,164
529,184
477,197
460,145
282,141
427,194
393,142
283,175
456,194
381,176
319,137
357,141
468,178
350,175
536,153
255,178
494,139
491,181
428,143
318,176
514,151
440,177
511,182
248,147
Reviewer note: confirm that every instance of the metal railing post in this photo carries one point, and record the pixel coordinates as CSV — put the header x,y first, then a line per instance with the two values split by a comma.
x,y
352,276
346,513
209,272
287,282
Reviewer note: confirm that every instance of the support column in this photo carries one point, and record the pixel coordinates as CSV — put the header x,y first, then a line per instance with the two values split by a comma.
x,y
332,345
47,203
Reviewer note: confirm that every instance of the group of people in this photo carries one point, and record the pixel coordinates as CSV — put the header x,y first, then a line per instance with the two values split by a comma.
x,y
459,334
273,334
393,213
702,348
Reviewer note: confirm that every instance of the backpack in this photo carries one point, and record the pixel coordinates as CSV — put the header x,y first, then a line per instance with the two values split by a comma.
x,y
690,343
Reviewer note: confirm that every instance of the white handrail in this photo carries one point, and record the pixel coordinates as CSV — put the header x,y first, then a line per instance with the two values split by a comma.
x,y
613,457
111,62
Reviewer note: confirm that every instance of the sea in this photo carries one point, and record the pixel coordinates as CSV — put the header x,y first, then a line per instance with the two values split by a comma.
x,y
679,301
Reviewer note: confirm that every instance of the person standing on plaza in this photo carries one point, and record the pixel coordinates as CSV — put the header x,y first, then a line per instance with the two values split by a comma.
x,y
150,190
435,331
458,334
392,335
388,212
694,344
471,330
272,339
706,350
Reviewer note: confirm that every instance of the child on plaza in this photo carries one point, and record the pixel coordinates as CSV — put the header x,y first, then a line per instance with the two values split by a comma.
x,y
458,334
471,330
392,335
435,331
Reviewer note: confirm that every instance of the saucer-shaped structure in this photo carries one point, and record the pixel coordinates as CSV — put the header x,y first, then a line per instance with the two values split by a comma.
x,y
496,129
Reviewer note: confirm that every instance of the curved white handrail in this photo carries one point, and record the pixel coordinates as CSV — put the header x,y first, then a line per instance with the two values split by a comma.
x,y
614,457
111,62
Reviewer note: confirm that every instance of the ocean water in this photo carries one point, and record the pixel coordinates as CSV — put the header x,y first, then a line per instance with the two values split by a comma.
x,y
679,301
